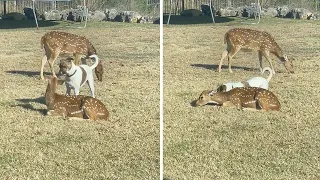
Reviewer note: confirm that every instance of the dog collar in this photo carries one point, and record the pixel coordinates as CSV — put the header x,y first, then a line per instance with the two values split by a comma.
x,y
72,73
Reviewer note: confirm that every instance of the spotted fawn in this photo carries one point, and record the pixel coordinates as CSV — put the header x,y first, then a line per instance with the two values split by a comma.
x,y
84,107
249,97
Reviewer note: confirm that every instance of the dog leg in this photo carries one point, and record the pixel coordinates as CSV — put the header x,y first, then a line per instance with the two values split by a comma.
x,y
76,91
68,90
91,85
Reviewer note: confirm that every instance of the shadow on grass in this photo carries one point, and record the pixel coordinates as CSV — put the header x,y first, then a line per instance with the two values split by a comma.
x,y
12,24
215,67
177,19
25,103
28,73
193,104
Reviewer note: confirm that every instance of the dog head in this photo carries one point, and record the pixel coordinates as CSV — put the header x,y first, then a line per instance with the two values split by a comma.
x,y
287,62
65,66
99,71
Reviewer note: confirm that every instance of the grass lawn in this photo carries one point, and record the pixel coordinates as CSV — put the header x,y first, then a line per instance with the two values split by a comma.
x,y
207,143
35,146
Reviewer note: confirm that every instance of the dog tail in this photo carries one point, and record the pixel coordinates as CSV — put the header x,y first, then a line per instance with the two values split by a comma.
x,y
270,72
96,61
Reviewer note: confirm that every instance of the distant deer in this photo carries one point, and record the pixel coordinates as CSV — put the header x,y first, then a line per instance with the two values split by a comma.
x,y
249,97
248,39
72,106
55,43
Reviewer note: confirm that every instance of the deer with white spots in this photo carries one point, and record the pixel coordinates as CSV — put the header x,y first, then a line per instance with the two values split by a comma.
x,y
249,97
249,39
56,42
84,107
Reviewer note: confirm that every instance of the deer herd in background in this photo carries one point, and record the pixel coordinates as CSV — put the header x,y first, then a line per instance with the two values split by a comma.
x,y
250,94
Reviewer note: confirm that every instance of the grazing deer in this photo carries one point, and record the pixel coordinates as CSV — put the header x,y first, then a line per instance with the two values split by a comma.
x,y
250,97
55,42
84,107
248,39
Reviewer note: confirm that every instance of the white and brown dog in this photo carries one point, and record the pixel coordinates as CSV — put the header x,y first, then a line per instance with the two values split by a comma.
x,y
259,82
77,76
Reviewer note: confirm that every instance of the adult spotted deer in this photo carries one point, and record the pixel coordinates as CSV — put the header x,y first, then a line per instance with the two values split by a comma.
x,y
249,97
248,39
56,42
84,107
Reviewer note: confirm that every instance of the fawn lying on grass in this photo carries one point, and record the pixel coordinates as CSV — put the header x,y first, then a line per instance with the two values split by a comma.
x,y
248,39
84,107
250,97
55,42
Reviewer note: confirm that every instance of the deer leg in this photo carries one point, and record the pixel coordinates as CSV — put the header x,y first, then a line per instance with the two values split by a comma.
x,y
223,56
267,56
77,58
43,62
90,114
237,103
230,55
260,60
53,57
58,112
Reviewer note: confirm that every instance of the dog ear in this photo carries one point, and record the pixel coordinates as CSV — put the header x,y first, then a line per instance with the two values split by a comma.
x,y
222,88
69,59
245,84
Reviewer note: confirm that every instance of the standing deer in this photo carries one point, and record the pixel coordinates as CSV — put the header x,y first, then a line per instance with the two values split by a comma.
x,y
248,39
55,43
72,106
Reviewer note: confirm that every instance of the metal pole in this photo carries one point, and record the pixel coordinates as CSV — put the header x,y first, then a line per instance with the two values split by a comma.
x,y
34,14
170,12
4,7
211,11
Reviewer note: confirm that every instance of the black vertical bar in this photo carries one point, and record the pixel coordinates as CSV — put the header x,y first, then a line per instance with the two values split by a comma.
x,y
4,7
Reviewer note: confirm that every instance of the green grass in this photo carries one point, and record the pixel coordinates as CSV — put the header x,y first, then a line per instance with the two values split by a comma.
x,y
35,146
207,143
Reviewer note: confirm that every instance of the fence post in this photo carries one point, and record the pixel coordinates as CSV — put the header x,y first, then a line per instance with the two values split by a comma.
x,y
4,7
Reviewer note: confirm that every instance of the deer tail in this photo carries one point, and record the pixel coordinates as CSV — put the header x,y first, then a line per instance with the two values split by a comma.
x,y
270,73
96,61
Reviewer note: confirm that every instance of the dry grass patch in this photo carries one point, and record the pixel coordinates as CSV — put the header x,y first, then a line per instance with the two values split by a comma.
x,y
206,143
40,147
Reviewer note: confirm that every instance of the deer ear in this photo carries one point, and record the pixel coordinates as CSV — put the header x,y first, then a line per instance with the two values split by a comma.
x,y
212,92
